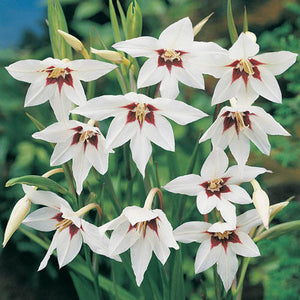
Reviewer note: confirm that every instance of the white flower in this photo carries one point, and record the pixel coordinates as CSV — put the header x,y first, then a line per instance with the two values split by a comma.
x,y
142,230
70,228
140,119
173,57
245,75
237,126
220,243
58,81
82,143
217,187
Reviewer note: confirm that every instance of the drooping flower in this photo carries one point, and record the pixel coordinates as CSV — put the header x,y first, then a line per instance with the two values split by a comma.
x,y
143,231
83,143
140,119
220,243
173,57
245,75
71,229
216,187
58,81
237,126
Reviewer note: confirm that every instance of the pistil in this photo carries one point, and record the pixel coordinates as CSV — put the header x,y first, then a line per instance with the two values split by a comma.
x,y
246,66
215,184
140,112
222,236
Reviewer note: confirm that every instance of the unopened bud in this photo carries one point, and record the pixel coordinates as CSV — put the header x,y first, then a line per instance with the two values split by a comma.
x,y
199,26
17,215
276,208
251,36
74,42
261,203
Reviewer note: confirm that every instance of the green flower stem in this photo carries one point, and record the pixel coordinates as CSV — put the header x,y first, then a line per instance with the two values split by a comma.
x,y
217,284
124,84
69,178
111,190
238,289
127,161
147,181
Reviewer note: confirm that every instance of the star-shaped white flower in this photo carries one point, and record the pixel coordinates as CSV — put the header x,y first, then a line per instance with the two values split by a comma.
x,y
220,243
70,228
143,231
140,119
245,75
82,143
58,81
237,126
216,187
173,57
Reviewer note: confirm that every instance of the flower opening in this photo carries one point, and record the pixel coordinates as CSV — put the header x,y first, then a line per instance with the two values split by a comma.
x,y
59,76
240,120
85,137
216,187
223,238
142,226
170,57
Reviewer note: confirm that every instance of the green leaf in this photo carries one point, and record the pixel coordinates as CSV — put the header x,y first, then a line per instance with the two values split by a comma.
x,y
84,288
56,20
114,22
123,18
37,123
245,24
231,26
87,9
42,183
134,20
278,230
177,285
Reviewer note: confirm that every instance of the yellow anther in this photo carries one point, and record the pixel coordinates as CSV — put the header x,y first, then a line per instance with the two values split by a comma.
x,y
239,121
56,72
215,184
63,224
246,66
86,135
141,226
140,112
171,54
224,235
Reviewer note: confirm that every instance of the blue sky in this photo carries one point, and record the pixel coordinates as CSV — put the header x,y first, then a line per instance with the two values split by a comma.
x,y
17,16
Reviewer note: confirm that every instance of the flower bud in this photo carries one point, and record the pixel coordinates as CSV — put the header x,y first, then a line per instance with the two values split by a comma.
x,y
261,203
17,215
134,20
278,207
251,36
199,26
112,56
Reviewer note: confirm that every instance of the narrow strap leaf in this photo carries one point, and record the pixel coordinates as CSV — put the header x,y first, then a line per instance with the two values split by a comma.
x,y
245,25
114,22
231,26
123,18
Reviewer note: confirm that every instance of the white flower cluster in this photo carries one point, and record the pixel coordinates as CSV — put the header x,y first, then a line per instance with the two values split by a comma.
x,y
173,57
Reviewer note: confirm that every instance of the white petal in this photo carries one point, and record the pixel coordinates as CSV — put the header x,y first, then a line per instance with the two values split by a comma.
x,y
141,46
267,87
215,165
277,62
137,214
178,36
51,248
68,246
161,133
63,152
240,148
206,256
25,70
42,219
248,220
38,92
244,47
45,198
178,111
81,167
237,195
150,73
169,86
187,185
161,251
206,204
227,211
75,93
61,106
140,253
141,150
239,174
227,267
192,232
89,69
246,248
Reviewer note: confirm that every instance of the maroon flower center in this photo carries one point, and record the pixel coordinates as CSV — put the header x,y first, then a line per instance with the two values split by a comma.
x,y
142,226
223,238
85,137
59,76
216,187
240,120
245,68
140,112
65,223
169,58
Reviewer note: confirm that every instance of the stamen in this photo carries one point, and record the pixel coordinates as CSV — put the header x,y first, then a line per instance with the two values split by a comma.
x,y
142,226
171,55
215,184
86,135
63,224
56,72
246,66
222,236
140,112
239,121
